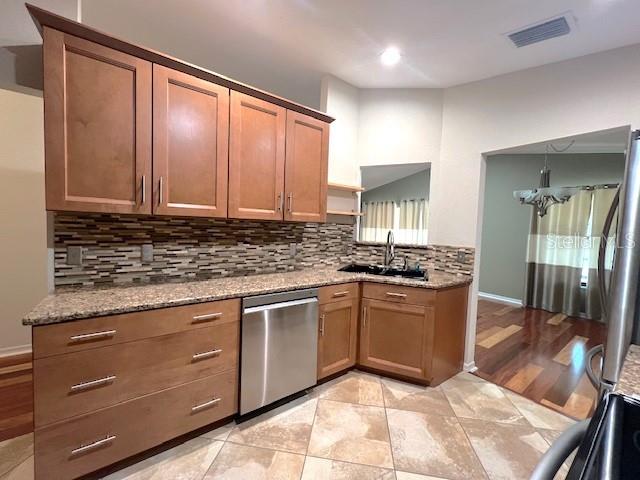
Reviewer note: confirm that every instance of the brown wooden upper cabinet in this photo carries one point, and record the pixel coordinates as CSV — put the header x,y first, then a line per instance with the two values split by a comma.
x,y
190,145
265,183
125,135
97,127
256,158
306,168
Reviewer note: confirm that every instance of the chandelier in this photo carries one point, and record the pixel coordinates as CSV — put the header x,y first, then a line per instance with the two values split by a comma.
x,y
545,196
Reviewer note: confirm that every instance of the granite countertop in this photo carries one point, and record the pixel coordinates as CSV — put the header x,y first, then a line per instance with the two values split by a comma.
x,y
629,382
81,303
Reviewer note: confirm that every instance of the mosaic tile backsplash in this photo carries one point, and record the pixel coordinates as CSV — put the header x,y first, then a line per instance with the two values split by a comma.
x,y
197,248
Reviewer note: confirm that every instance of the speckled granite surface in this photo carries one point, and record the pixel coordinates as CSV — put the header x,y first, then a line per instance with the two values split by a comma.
x,y
629,383
84,303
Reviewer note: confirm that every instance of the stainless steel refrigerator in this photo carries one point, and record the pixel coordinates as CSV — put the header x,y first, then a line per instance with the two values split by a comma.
x,y
608,444
620,297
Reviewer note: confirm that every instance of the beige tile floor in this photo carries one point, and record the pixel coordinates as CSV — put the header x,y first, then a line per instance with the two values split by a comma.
x,y
359,427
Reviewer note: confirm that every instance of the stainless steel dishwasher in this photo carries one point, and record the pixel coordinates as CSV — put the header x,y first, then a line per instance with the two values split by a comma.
x,y
279,352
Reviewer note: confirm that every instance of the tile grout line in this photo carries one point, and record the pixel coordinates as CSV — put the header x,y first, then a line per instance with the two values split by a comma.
x,y
386,418
271,449
8,472
204,475
313,423
473,448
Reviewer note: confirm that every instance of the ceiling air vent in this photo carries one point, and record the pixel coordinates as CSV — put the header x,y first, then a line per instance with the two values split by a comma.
x,y
540,32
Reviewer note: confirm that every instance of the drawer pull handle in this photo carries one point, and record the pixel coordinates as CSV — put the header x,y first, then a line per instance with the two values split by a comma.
x,y
92,336
398,295
341,294
211,353
93,445
93,383
210,403
206,317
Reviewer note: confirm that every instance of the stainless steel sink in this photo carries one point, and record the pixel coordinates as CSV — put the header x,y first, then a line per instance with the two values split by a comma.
x,y
385,271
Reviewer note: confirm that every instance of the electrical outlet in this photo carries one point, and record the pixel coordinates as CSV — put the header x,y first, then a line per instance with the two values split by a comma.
x,y
293,249
462,256
147,252
74,255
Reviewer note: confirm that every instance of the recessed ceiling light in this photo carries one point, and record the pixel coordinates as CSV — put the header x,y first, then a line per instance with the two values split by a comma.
x,y
390,56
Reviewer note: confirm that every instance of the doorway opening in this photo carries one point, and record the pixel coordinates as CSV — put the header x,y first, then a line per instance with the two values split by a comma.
x,y
539,307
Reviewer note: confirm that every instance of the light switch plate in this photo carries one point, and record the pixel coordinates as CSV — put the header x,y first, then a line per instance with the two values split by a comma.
x,y
147,252
74,255
462,256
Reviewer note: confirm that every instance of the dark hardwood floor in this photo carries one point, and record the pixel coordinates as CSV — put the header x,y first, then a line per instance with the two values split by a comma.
x,y
538,354
16,396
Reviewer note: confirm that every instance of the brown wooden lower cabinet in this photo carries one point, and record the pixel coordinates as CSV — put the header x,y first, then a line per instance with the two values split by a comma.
x,y
397,338
176,369
337,337
89,442
413,333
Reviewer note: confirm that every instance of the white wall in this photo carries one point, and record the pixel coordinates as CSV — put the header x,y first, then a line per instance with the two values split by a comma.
x,y
399,126
23,235
586,94
341,100
380,127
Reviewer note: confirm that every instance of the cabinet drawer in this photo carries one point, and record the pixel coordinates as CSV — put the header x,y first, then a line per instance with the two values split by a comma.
x,y
398,293
80,382
113,329
131,427
336,293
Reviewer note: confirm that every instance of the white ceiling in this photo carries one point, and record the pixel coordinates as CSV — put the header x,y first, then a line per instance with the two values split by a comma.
x,y
373,176
614,140
288,45
444,42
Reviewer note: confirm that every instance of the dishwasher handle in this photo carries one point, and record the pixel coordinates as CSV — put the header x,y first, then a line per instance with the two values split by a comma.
x,y
276,306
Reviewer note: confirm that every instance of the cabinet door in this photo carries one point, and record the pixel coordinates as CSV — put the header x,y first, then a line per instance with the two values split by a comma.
x,y
190,145
337,336
97,127
397,338
256,158
306,168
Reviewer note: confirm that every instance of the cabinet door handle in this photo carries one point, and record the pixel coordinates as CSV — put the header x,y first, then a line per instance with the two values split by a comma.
x,y
210,353
341,294
322,325
92,383
206,317
160,182
210,403
398,295
93,445
364,317
92,336
144,189
290,197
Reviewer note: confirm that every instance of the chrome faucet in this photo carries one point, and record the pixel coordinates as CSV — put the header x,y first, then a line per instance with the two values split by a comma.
x,y
389,250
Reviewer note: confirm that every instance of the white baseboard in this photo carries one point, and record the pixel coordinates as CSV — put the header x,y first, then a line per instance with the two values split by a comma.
x,y
470,367
500,299
17,350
